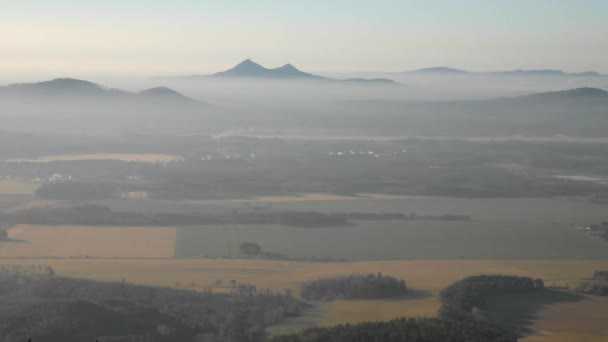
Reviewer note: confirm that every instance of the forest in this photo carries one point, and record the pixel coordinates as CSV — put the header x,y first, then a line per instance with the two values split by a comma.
x,y
354,286
404,329
468,296
38,305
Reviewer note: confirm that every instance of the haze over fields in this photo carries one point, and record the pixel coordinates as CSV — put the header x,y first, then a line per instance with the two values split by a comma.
x,y
312,171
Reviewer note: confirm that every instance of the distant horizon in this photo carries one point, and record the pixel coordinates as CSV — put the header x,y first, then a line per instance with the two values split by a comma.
x,y
51,76
147,38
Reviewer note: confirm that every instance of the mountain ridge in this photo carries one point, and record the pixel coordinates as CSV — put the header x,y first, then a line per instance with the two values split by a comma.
x,y
442,70
248,69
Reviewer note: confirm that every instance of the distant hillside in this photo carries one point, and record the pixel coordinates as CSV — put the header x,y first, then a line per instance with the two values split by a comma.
x,y
61,86
577,93
164,93
251,69
74,88
518,72
544,72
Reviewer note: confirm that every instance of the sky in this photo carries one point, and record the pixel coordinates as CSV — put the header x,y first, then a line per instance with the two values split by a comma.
x,y
152,37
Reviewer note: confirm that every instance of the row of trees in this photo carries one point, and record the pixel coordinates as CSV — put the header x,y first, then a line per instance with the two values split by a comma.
x,y
354,286
102,215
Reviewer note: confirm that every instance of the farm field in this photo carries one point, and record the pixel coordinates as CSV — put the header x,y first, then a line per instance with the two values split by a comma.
x,y
555,323
500,228
423,275
380,240
84,242
9,187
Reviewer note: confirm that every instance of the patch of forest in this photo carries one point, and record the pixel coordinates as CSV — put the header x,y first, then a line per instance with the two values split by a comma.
x,y
404,329
510,302
354,286
469,295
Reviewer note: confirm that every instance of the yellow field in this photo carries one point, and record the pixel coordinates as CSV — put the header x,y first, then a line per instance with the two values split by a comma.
x,y
17,188
585,321
582,321
79,242
353,311
130,157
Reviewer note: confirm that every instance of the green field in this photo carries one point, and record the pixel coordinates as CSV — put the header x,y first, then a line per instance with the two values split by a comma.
x,y
501,228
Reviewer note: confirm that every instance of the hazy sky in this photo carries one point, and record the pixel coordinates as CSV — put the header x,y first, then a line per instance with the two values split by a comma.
x,y
151,37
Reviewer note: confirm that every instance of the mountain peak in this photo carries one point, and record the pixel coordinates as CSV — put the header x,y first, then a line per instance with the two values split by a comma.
x,y
288,67
249,68
246,68
248,63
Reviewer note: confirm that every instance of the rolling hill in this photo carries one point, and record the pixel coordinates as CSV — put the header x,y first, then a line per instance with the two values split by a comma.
x,y
70,88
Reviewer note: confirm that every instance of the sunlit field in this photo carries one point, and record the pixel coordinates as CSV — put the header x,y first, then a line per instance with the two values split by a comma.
x,y
573,322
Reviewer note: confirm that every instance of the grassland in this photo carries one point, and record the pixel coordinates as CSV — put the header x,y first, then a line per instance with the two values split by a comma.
x,y
95,242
